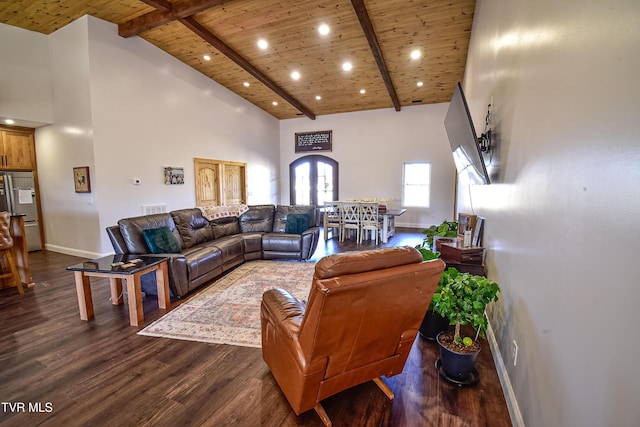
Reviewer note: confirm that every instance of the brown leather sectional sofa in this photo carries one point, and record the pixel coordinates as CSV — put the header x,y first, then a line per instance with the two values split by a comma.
x,y
209,248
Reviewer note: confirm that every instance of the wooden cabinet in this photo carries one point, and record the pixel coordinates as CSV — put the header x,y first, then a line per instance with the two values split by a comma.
x,y
17,149
234,184
220,183
207,182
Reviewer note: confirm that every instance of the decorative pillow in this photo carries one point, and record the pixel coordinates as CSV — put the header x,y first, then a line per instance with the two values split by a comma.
x,y
161,241
297,223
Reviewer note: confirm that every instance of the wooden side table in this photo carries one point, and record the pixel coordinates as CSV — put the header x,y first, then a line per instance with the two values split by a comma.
x,y
465,260
475,269
117,268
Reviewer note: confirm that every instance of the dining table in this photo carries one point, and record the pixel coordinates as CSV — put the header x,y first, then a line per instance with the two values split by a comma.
x,y
388,223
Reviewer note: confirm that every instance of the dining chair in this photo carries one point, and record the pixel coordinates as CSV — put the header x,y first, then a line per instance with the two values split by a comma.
x,y
350,219
332,219
369,220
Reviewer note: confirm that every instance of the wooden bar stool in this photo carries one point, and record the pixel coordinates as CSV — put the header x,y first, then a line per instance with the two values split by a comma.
x,y
6,244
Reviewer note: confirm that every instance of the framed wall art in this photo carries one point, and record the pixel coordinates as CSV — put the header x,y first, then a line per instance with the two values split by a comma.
x,y
173,175
81,179
314,141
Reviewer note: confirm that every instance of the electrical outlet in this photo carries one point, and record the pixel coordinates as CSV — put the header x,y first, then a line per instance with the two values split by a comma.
x,y
514,352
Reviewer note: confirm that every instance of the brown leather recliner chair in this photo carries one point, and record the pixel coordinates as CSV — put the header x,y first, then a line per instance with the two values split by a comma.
x,y
362,316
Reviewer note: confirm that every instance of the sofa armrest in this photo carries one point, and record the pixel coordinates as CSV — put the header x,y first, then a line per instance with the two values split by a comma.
x,y
309,242
117,241
178,276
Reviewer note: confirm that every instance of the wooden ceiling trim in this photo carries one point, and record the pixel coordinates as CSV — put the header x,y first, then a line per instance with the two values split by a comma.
x,y
369,32
162,5
180,9
191,23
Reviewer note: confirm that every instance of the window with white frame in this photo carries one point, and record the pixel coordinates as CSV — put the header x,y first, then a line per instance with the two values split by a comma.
x,y
416,184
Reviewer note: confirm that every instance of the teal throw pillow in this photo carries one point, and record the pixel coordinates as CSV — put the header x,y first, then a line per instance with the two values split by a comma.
x,y
297,223
161,241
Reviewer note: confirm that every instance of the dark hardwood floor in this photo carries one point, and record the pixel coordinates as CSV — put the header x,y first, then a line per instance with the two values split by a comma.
x,y
57,370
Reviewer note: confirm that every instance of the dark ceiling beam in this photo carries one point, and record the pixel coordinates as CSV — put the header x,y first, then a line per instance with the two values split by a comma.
x,y
191,23
177,10
370,34
162,5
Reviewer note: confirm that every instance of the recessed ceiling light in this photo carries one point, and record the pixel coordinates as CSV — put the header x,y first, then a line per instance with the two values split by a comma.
x,y
419,84
295,75
318,97
262,44
9,121
323,29
347,66
363,91
275,102
415,54
246,84
207,58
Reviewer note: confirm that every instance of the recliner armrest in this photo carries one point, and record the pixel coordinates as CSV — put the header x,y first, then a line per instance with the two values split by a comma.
x,y
284,310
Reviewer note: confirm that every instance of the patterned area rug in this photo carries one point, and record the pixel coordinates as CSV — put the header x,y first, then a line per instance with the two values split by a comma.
x,y
228,310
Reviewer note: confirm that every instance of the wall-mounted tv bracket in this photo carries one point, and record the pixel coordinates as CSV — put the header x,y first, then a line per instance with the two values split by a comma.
x,y
484,142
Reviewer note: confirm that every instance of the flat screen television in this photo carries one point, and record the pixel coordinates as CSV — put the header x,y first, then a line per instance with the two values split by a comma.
x,y
464,142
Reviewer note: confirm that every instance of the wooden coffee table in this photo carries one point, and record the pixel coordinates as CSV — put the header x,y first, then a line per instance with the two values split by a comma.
x,y
116,268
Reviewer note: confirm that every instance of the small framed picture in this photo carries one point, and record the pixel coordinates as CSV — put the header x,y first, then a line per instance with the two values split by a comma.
x,y
81,179
465,219
173,175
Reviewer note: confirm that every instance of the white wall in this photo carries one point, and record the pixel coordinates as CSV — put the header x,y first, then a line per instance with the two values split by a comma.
x,y
126,109
563,227
70,222
151,110
25,77
371,147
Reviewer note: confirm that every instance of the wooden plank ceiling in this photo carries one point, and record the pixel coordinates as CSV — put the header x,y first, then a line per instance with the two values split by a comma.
x,y
376,36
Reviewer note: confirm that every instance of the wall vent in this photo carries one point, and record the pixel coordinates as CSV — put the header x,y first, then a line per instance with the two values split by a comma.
x,y
154,209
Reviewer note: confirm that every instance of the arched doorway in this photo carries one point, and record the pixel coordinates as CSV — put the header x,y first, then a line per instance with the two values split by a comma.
x,y
313,180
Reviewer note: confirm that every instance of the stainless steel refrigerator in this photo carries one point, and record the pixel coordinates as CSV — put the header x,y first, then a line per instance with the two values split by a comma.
x,y
18,197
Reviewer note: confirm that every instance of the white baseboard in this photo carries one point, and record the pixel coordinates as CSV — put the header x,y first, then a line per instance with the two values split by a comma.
x,y
73,252
507,389
411,225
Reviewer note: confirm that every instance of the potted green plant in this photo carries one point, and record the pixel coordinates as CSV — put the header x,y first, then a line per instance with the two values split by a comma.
x,y
445,229
462,300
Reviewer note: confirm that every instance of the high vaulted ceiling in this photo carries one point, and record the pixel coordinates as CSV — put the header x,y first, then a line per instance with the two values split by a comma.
x,y
375,36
